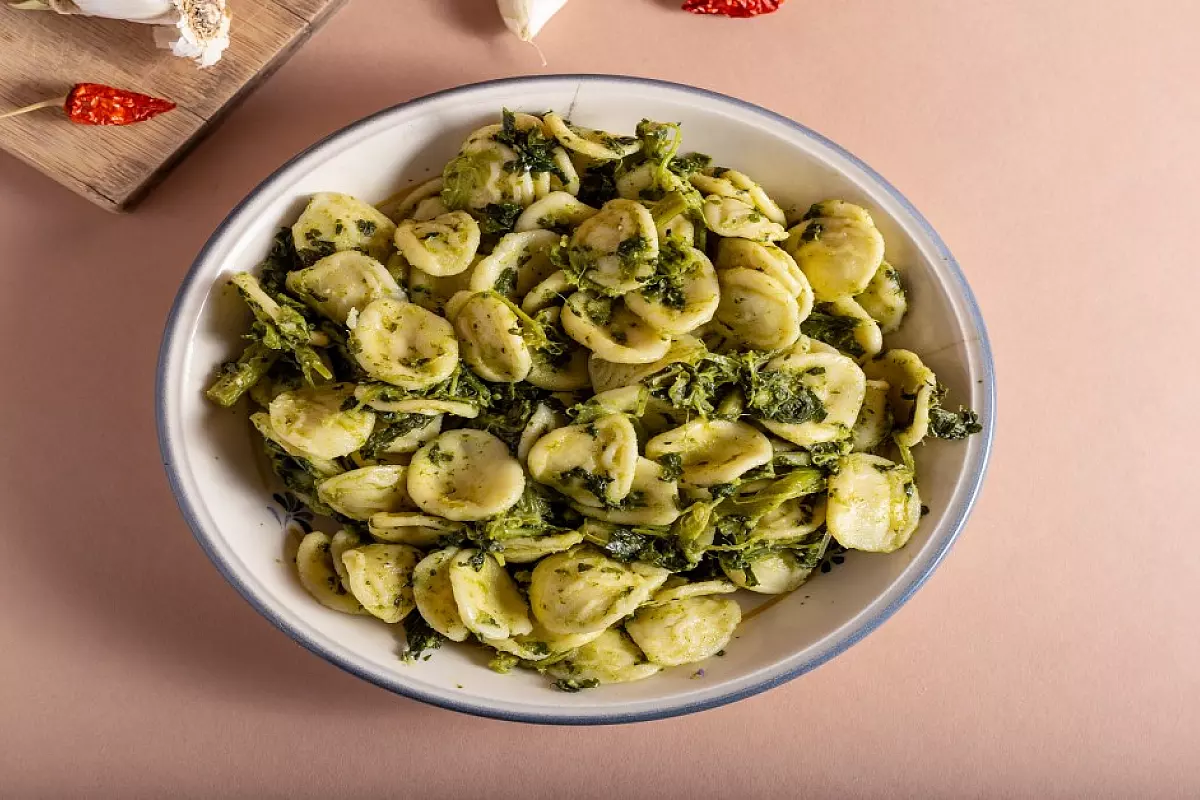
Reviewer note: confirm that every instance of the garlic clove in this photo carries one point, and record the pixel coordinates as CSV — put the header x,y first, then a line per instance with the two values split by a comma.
x,y
199,31
526,18
146,11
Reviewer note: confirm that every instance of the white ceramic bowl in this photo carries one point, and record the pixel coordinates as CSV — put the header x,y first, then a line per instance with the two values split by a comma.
x,y
212,458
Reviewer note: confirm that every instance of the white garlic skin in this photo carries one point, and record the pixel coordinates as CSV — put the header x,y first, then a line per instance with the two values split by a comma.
x,y
526,18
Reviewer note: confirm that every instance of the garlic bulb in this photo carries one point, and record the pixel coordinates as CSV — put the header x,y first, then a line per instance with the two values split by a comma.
x,y
525,18
196,29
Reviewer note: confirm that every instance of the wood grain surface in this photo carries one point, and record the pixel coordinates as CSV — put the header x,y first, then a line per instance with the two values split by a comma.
x,y
42,55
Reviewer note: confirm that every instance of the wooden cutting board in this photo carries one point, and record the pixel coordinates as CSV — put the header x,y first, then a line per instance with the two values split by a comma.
x,y
43,54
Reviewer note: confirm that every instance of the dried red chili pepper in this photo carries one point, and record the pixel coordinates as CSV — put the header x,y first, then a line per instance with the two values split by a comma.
x,y
97,104
732,8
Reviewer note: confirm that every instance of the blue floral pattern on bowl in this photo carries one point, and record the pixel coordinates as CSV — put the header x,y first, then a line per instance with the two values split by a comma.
x,y
292,513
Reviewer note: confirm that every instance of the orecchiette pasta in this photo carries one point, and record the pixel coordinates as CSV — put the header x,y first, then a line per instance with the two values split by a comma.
x,y
657,499
465,475
314,422
884,299
444,245
342,282
341,542
615,248
492,341
612,657
333,223
567,599
771,260
610,330
593,464
775,572
757,310
409,527
685,630
562,366
519,262
488,600
403,344
380,577
361,493
874,421
314,563
683,304
839,385
402,205
570,398
434,594
712,451
838,247
911,388
873,504
728,216
731,183
555,212
597,145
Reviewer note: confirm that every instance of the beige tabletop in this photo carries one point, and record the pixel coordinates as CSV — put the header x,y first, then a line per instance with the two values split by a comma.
x,y
1056,653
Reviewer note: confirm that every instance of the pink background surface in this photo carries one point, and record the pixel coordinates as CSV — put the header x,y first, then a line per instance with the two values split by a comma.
x,y
1054,654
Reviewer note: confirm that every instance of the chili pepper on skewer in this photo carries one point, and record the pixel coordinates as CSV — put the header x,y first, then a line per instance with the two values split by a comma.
x,y
97,104
732,8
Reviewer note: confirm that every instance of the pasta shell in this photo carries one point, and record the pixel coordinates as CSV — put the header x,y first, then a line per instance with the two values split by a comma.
x,y
444,245
757,310
487,598
465,475
314,564
567,599
712,451
874,504
403,344
380,576
433,594
686,630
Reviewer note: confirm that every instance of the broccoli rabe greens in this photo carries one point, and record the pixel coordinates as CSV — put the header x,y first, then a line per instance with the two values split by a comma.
x,y
570,398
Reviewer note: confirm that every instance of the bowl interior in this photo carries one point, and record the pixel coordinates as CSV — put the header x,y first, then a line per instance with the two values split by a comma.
x,y
214,463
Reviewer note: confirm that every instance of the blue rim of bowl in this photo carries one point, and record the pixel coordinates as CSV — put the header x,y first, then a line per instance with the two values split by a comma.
x,y
903,594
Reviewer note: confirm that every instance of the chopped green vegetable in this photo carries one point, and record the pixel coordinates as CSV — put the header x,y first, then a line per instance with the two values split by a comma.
x,y
672,466
388,428
598,184
782,396
945,424
834,330
239,377
535,150
499,218
659,550
421,638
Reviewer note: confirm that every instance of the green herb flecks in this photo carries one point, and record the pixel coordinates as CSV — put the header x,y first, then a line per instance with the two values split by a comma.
x,y
499,218
388,428
667,284
945,424
782,396
672,466
421,638
593,482
598,184
833,330
626,545
534,150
